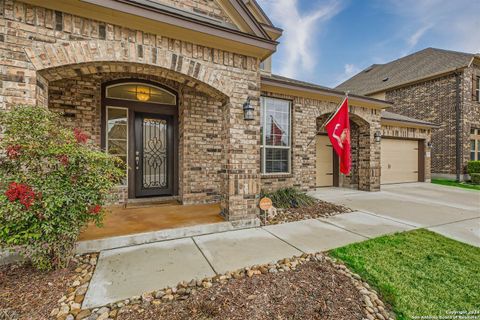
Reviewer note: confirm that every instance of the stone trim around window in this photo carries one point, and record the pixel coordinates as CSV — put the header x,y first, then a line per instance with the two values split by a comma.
x,y
474,144
276,144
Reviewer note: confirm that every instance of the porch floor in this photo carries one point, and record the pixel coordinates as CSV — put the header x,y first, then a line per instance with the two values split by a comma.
x,y
124,221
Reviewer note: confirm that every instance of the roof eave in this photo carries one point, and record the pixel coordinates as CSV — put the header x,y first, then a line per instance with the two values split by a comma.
x,y
409,124
185,22
380,104
419,80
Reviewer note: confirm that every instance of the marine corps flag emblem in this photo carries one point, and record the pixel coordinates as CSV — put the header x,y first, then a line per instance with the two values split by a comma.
x,y
338,129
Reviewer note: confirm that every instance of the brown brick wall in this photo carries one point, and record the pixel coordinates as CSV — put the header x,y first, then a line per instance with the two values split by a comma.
x,y
202,153
471,114
201,145
306,115
45,52
432,101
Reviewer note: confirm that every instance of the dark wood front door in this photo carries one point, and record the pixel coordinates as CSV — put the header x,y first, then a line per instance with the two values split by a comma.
x,y
153,154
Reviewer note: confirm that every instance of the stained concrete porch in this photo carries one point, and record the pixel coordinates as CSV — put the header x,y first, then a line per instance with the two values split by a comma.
x,y
142,224
121,221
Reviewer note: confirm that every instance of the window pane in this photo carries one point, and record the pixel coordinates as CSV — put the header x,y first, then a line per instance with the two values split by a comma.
x,y
277,122
117,147
140,92
276,160
117,123
117,135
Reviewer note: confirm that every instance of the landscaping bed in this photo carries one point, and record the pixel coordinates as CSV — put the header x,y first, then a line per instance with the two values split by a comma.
x,y
316,289
420,273
311,286
291,205
320,209
26,293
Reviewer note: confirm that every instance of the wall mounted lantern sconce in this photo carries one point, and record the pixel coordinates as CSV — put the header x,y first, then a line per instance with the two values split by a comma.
x,y
378,136
429,144
248,110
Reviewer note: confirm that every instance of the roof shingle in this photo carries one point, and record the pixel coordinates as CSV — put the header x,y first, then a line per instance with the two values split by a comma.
x,y
419,65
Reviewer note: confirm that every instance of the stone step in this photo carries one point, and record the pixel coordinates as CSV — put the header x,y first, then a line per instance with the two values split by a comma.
x,y
162,235
152,201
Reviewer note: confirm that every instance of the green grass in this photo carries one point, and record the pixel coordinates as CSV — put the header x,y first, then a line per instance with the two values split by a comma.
x,y
454,183
419,273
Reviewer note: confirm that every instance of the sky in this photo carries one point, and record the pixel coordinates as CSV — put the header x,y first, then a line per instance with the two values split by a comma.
x,y
328,41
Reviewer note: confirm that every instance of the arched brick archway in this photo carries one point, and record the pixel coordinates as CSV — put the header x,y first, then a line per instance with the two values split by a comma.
x,y
50,60
362,142
205,83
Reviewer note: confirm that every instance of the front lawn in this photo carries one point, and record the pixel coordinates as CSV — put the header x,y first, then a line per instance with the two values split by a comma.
x,y
454,183
420,273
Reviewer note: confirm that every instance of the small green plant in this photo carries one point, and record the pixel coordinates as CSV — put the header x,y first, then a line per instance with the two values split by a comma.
x,y
52,183
473,167
289,198
475,178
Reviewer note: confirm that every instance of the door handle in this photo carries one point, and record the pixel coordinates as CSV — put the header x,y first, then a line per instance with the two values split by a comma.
x,y
137,159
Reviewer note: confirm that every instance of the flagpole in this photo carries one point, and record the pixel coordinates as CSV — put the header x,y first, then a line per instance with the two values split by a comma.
x,y
328,119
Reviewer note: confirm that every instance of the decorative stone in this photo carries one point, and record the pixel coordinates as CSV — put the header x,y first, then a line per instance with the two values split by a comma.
x,y
54,312
83,314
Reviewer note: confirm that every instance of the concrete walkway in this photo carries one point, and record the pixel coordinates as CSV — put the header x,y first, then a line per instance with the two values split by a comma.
x,y
130,271
126,272
452,212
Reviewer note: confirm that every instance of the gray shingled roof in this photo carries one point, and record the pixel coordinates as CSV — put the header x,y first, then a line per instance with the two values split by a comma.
x,y
419,65
387,115
297,82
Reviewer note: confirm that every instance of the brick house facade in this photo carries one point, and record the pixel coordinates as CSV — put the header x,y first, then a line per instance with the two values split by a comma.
x,y
439,88
66,56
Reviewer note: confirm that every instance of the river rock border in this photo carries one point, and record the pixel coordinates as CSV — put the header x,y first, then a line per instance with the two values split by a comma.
x,y
70,304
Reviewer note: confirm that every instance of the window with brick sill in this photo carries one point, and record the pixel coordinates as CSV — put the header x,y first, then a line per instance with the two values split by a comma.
x,y
275,120
475,144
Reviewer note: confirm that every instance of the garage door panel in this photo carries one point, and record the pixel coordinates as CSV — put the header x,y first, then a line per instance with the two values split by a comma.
x,y
324,162
399,161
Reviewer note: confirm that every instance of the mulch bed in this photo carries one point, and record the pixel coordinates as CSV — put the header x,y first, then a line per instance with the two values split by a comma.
x,y
313,291
29,294
320,209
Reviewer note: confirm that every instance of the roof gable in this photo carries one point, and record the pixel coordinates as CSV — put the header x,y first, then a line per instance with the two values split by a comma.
x,y
420,65
231,14
201,7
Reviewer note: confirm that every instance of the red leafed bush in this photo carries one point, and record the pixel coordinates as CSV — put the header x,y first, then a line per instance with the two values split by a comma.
x,y
53,182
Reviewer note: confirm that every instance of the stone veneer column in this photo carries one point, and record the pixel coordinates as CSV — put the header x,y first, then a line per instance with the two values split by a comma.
x,y
369,165
242,172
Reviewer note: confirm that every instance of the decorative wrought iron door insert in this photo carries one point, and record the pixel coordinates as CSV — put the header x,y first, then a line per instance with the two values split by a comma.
x,y
153,154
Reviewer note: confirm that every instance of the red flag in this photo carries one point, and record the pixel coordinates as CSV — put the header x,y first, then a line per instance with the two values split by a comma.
x,y
277,133
338,129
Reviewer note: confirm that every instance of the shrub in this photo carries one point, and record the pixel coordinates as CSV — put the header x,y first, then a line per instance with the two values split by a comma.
x,y
473,167
475,178
52,183
289,198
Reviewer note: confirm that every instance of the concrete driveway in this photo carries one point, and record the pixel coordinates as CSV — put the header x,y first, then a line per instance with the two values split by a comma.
x,y
130,271
450,211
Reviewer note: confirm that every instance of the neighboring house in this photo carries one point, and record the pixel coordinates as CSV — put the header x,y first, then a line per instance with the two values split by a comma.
x,y
437,86
176,90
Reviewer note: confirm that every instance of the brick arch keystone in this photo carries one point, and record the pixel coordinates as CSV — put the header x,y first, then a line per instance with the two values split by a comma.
x,y
53,55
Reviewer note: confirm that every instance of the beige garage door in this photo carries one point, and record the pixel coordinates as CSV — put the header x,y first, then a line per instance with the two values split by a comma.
x,y
324,162
399,161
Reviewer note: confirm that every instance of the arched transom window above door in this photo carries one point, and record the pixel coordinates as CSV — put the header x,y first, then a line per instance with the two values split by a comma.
x,y
141,92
